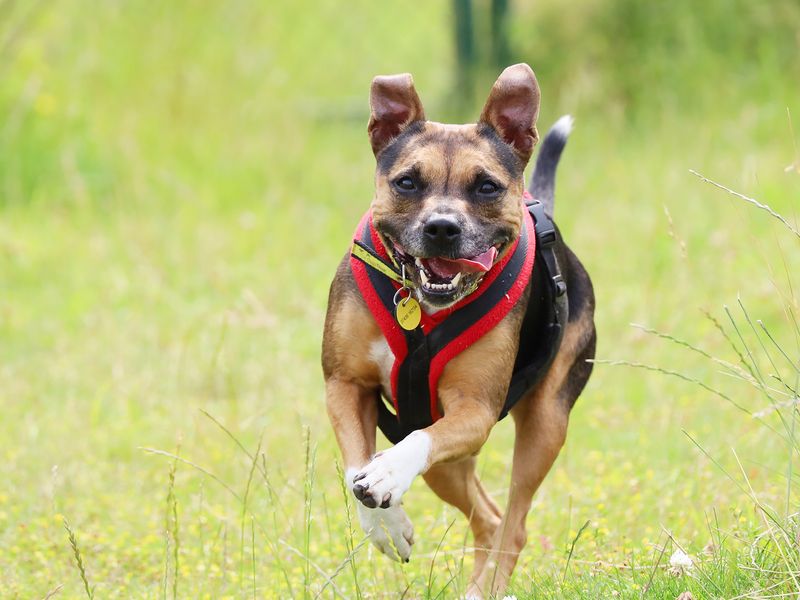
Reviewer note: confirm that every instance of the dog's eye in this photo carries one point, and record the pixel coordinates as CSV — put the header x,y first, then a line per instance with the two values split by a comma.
x,y
405,184
488,188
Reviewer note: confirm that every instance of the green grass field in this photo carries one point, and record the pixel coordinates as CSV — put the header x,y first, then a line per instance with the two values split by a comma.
x,y
177,185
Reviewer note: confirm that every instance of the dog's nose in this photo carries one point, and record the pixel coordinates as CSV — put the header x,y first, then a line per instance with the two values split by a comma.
x,y
442,230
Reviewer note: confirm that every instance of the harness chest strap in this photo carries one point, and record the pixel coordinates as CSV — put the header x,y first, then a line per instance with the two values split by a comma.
x,y
421,354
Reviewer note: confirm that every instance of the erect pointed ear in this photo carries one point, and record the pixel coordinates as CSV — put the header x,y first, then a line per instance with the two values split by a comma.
x,y
394,105
513,107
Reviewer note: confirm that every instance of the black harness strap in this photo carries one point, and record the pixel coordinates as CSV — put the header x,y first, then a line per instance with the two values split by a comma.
x,y
412,373
533,358
541,335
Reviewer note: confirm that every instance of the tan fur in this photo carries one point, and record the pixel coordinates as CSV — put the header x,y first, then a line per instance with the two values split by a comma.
x,y
353,329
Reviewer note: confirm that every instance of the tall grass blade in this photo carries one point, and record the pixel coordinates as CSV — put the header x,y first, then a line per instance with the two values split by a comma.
x,y
730,341
752,201
308,490
572,549
245,497
172,540
53,592
253,553
666,336
76,552
277,554
348,519
307,560
679,375
435,553
348,560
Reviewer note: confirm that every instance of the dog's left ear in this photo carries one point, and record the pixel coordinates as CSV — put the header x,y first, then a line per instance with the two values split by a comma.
x,y
513,107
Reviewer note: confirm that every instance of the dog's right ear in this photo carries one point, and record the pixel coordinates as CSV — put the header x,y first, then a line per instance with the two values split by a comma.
x,y
394,105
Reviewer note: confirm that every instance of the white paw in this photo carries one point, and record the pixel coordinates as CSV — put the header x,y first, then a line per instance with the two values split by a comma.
x,y
389,474
390,530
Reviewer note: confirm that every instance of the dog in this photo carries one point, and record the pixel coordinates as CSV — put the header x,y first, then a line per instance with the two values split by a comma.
x,y
452,309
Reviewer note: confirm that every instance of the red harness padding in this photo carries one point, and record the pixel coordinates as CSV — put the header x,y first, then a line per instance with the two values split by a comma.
x,y
420,356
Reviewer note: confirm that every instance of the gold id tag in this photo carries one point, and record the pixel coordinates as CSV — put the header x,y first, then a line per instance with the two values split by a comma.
x,y
408,313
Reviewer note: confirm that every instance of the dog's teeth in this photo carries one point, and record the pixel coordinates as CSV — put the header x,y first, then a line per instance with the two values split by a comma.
x,y
418,262
450,286
454,282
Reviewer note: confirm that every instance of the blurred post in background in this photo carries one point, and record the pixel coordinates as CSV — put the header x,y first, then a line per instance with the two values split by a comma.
x,y
465,50
501,51
470,56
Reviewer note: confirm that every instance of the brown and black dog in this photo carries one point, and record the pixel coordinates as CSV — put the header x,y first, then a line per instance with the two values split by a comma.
x,y
447,208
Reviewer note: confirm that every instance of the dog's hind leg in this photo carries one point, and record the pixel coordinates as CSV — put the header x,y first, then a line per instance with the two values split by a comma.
x,y
457,483
540,420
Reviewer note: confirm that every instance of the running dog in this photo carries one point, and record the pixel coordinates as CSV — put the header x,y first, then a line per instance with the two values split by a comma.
x,y
458,303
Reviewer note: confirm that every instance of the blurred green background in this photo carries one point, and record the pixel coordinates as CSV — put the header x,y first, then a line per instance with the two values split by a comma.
x,y
177,184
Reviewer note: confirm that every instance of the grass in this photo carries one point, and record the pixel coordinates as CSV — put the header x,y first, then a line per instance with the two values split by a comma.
x,y
73,542
177,185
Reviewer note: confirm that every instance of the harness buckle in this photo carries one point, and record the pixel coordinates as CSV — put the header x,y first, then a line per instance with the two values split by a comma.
x,y
559,284
545,229
547,236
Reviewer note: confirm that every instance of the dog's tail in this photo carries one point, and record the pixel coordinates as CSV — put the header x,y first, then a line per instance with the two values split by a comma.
x,y
543,180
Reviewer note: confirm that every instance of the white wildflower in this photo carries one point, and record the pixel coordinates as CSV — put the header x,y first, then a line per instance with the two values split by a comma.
x,y
680,563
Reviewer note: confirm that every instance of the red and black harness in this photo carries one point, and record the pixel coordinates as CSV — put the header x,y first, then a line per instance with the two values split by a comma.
x,y
421,354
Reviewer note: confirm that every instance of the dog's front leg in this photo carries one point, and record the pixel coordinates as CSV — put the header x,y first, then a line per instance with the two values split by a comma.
x,y
471,391
354,417
460,433
352,412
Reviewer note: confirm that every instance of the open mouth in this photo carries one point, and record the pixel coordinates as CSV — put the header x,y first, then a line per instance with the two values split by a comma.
x,y
446,279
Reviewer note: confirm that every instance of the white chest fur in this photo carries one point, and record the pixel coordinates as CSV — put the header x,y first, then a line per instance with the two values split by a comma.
x,y
382,356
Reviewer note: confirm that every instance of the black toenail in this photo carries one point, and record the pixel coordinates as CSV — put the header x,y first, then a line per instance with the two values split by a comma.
x,y
369,502
385,503
359,491
359,477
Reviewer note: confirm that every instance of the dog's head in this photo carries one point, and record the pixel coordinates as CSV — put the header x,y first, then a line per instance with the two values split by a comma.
x,y
447,197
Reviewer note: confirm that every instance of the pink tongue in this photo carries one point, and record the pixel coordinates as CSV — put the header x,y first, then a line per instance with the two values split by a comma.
x,y
445,267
